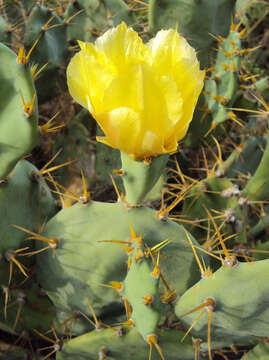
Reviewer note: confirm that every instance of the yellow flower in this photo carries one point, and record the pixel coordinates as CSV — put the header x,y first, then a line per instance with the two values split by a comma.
x,y
142,95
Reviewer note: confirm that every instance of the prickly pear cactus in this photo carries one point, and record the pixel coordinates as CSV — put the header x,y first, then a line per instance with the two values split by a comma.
x,y
175,266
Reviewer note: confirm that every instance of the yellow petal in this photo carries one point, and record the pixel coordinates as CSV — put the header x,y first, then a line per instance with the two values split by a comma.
x,y
88,74
118,124
171,54
122,46
143,96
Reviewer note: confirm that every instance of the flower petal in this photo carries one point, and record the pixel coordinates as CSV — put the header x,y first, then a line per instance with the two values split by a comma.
x,y
172,55
118,124
122,46
88,74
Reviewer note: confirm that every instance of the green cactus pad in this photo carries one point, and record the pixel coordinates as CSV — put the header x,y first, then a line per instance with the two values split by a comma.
x,y
24,202
214,194
52,47
244,160
259,352
81,261
139,178
220,89
36,311
129,346
257,187
241,313
138,284
18,132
